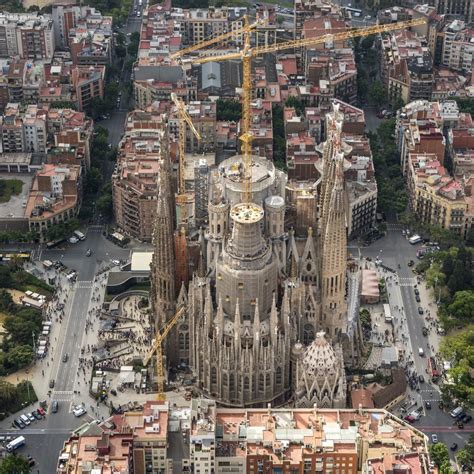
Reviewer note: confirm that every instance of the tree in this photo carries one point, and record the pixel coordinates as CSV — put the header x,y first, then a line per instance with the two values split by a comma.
x,y
439,453
19,356
14,464
120,50
464,457
463,306
7,392
6,301
105,205
228,109
296,103
377,94
93,181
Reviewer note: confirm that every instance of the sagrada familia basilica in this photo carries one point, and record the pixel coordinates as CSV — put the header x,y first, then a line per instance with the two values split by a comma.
x,y
266,316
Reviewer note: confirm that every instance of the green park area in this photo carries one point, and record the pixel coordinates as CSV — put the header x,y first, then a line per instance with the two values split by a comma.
x,y
9,188
18,323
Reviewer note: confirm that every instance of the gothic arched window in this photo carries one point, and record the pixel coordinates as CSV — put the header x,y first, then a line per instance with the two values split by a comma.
x,y
308,334
261,383
231,382
224,380
246,383
278,376
213,375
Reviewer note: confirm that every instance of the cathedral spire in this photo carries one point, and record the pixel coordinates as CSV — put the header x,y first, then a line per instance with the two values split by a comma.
x,y
256,322
162,267
334,256
237,321
220,318
274,319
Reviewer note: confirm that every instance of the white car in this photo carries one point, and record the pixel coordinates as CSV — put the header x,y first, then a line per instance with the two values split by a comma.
x,y
79,411
434,438
73,240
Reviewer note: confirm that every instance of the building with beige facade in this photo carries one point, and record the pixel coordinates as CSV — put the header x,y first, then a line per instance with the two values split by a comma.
x,y
435,197
54,198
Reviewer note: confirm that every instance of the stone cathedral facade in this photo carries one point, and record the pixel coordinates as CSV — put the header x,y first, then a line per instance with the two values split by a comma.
x,y
265,317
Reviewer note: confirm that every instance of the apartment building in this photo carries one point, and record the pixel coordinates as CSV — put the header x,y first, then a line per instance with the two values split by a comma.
x,y
457,8
248,441
11,125
458,46
306,10
361,186
35,129
434,196
198,24
203,116
135,190
424,114
91,41
134,181
88,82
27,35
406,67
54,198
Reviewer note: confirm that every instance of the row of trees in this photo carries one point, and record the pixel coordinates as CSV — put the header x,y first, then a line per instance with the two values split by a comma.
x,y
440,456
392,197
450,273
94,180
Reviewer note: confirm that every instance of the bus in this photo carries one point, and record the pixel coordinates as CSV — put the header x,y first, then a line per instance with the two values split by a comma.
x,y
15,444
387,313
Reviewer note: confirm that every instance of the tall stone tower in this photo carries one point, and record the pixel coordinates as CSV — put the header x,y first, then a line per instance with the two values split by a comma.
x,y
163,264
333,236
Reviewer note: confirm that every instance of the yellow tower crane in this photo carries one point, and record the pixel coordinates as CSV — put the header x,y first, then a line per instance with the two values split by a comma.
x,y
183,119
157,349
248,52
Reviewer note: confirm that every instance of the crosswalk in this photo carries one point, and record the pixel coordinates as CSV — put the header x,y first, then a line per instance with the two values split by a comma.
x,y
407,281
395,226
97,228
84,284
62,395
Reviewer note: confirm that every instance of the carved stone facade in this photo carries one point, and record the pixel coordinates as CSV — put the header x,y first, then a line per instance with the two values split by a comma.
x,y
258,292
320,377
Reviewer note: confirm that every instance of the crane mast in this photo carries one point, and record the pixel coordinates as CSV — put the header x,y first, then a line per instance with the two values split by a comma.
x,y
183,120
157,349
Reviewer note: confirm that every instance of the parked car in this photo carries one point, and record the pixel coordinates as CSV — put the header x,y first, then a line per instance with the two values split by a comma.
x,y
41,411
434,438
65,357
417,298
420,310
467,419
18,423
51,383
454,446
417,291
54,406
36,415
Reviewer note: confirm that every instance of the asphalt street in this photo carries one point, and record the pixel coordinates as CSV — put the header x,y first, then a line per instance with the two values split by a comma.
x,y
394,249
